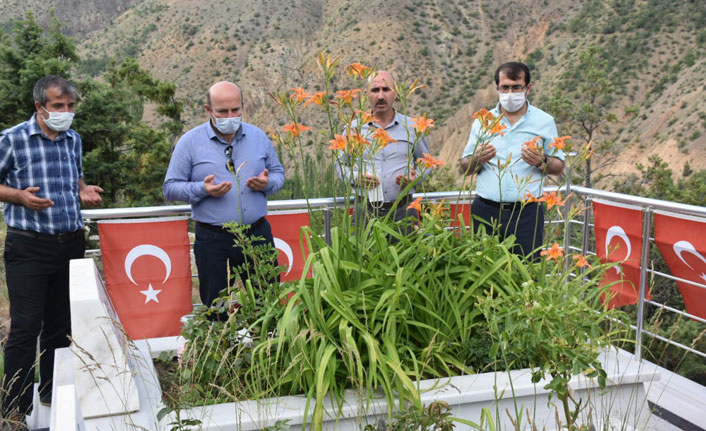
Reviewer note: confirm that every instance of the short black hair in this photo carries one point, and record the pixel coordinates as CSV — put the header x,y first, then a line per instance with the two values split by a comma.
x,y
39,93
514,70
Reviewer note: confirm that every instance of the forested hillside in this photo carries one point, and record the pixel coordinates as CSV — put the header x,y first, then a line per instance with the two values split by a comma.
x,y
630,68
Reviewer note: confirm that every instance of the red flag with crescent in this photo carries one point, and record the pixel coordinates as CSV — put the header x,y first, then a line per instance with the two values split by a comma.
x,y
681,240
286,226
618,230
147,268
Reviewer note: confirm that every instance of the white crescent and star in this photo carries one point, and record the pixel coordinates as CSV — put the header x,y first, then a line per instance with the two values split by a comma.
x,y
148,250
287,250
687,247
620,233
151,294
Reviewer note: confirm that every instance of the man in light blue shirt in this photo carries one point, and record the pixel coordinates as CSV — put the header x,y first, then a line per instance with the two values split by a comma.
x,y
225,169
507,169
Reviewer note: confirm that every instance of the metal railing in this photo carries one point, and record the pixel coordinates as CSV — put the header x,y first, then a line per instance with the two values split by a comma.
x,y
587,194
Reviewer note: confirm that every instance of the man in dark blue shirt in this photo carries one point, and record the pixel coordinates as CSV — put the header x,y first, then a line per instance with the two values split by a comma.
x,y
41,183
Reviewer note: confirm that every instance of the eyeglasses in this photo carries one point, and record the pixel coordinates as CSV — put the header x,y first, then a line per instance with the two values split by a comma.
x,y
230,164
513,88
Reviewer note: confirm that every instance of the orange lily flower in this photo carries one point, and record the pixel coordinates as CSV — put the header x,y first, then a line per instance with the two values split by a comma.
x,y
439,209
365,117
421,124
559,143
358,70
581,261
555,252
552,199
430,162
382,137
318,98
480,114
534,144
416,204
498,128
339,143
486,118
356,143
529,198
299,94
347,96
295,129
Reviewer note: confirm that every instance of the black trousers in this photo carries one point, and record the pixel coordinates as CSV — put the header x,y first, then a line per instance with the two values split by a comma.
x,y
525,223
216,251
37,273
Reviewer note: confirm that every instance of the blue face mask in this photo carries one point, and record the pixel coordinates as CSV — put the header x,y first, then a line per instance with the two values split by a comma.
x,y
227,126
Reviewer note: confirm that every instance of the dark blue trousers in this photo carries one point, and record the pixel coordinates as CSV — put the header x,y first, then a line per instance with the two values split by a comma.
x,y
525,223
215,252
37,272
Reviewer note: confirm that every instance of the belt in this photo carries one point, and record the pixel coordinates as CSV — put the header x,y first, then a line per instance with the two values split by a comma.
x,y
387,205
59,237
505,206
221,229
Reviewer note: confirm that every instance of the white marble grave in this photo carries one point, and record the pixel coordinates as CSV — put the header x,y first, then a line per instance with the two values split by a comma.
x,y
102,378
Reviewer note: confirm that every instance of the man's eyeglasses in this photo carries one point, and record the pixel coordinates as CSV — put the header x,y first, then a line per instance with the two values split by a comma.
x,y
513,88
230,164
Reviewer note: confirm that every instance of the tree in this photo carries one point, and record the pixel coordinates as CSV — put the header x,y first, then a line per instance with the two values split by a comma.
x,y
584,110
123,154
25,56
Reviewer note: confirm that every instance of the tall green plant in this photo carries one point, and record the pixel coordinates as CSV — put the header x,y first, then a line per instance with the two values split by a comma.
x,y
557,322
385,315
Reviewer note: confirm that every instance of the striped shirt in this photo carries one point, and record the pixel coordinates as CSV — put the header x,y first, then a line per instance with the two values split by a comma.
x,y
29,158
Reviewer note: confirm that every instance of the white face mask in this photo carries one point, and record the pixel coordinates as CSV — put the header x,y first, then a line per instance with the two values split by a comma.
x,y
512,102
227,126
58,121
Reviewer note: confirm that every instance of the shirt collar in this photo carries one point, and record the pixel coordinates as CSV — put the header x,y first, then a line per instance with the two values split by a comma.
x,y
395,121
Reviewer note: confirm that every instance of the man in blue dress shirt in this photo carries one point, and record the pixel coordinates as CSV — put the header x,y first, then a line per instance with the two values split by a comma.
x,y
225,169
508,170
41,183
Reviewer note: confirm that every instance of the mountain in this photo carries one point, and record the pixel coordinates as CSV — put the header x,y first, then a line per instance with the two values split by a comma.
x,y
652,53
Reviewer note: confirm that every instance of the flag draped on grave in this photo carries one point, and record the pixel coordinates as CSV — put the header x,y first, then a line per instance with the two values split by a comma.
x,y
618,231
147,270
286,227
682,242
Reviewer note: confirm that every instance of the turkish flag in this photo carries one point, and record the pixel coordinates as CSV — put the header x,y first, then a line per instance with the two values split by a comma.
x,y
618,230
682,241
285,230
147,270
463,209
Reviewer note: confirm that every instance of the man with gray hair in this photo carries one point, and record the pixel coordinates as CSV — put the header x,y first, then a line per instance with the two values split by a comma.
x,y
41,183
225,169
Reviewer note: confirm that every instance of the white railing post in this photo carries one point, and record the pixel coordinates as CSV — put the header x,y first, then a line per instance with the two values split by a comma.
x,y
567,223
644,260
